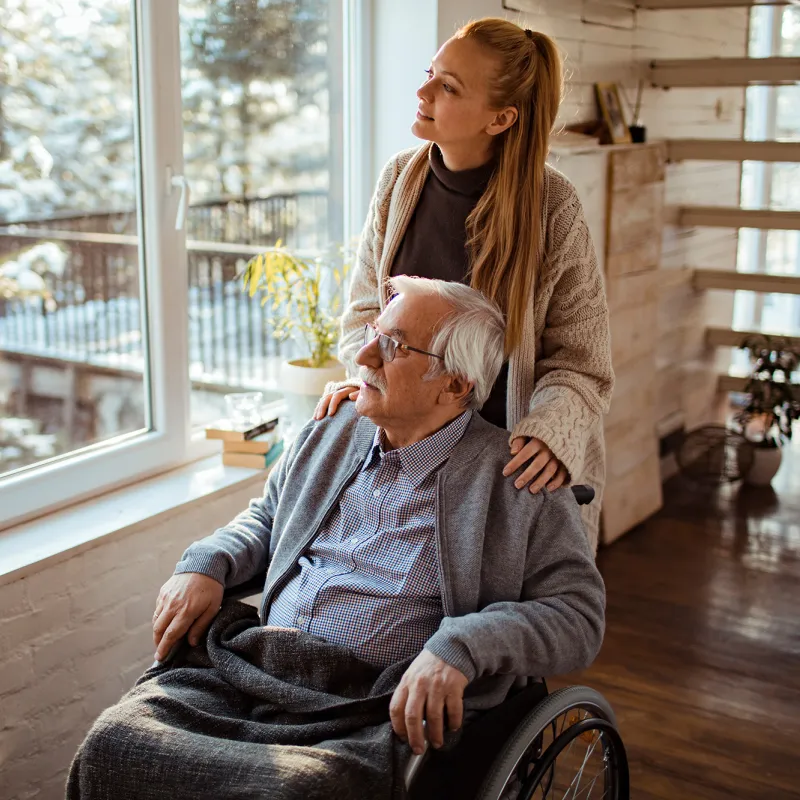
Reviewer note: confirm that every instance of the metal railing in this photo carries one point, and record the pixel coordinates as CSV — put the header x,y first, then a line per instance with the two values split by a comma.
x,y
96,315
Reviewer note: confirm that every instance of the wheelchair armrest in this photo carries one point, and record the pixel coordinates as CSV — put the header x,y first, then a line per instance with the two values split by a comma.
x,y
583,494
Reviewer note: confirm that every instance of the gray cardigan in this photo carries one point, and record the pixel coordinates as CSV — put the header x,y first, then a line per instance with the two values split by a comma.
x,y
521,593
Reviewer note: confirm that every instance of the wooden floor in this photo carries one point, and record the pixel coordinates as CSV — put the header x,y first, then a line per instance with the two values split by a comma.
x,y
701,659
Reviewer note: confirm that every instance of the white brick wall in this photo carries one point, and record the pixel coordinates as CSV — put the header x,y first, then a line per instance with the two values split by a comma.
x,y
75,636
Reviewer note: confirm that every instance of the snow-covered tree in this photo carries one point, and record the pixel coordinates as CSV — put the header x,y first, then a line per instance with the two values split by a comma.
x,y
255,84
66,124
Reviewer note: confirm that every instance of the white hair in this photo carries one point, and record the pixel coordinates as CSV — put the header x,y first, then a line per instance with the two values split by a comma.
x,y
471,338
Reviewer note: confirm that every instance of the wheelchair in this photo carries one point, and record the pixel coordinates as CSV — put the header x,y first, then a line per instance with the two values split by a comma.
x,y
533,746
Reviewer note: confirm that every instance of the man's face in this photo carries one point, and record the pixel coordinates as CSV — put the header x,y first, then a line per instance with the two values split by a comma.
x,y
394,394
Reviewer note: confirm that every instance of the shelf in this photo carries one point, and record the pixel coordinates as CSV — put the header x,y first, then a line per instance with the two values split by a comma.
x,y
731,150
677,73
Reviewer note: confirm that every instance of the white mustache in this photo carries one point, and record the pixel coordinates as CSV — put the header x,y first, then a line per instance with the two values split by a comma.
x,y
372,378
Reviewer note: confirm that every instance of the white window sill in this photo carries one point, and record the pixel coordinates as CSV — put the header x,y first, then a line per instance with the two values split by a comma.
x,y
47,540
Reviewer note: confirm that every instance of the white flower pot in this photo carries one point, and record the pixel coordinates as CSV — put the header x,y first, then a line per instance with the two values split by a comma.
x,y
766,463
302,386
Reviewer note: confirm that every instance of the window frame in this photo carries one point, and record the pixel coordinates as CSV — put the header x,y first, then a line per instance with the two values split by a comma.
x,y
170,442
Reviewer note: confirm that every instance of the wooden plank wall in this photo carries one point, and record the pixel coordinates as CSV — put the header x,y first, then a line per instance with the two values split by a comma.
x,y
635,206
613,42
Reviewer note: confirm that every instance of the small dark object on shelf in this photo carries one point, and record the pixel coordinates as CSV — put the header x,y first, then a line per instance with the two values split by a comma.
x,y
638,134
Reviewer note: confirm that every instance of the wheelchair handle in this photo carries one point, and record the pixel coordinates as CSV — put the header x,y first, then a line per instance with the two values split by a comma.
x,y
583,494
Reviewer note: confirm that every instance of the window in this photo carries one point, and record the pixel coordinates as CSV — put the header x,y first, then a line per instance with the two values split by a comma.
x,y
772,113
107,357
261,157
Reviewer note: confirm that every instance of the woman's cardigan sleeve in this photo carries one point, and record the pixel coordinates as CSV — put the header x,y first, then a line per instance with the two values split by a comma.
x,y
574,377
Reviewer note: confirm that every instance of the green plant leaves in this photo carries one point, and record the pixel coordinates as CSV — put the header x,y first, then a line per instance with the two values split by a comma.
x,y
304,296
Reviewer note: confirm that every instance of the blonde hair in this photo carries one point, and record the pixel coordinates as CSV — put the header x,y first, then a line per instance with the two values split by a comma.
x,y
505,228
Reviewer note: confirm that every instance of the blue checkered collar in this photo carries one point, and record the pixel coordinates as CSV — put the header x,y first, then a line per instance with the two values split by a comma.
x,y
420,459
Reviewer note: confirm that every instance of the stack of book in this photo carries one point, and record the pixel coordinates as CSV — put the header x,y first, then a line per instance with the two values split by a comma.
x,y
257,446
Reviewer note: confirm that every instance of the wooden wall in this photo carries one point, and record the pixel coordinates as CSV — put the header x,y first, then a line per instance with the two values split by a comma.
x,y
605,41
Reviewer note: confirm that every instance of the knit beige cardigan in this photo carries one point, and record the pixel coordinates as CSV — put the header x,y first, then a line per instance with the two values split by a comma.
x,y
560,377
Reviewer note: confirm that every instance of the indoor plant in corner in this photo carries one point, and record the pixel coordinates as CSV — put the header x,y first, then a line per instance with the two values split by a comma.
x,y
305,302
772,404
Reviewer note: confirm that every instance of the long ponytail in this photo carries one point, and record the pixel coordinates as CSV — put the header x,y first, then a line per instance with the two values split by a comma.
x,y
505,228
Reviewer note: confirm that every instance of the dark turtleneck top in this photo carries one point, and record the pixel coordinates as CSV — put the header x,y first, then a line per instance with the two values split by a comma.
x,y
435,243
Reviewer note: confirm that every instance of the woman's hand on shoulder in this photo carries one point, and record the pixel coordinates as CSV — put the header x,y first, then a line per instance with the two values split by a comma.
x,y
543,469
329,403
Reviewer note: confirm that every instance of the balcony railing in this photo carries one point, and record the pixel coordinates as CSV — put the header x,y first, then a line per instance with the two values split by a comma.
x,y
96,317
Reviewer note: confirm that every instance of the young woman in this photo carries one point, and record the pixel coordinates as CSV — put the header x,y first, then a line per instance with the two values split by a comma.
x,y
477,203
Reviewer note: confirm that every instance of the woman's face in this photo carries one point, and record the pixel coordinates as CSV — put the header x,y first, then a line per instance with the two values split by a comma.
x,y
453,105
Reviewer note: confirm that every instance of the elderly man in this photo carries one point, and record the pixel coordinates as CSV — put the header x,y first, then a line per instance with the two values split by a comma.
x,y
407,580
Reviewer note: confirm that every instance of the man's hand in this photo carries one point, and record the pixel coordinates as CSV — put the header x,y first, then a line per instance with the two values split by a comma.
x,y
428,686
544,469
186,602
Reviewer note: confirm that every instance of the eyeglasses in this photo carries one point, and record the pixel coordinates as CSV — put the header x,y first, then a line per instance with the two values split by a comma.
x,y
388,347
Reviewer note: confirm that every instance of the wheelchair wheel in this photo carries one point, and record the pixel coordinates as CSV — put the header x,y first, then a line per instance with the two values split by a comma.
x,y
567,748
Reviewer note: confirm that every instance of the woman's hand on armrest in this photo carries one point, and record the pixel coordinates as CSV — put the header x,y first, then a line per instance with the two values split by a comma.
x,y
329,403
186,602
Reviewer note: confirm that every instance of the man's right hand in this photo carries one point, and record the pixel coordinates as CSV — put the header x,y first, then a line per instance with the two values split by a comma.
x,y
186,602
329,403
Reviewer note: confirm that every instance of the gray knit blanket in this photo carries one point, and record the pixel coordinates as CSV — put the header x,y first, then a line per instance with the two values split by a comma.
x,y
253,713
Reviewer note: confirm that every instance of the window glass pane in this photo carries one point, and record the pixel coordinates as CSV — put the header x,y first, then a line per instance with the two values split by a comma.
x,y
71,345
257,87
771,113
790,31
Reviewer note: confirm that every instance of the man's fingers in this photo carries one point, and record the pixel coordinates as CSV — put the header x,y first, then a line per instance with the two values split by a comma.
x,y
434,718
177,628
159,606
397,711
200,626
526,454
550,469
455,710
535,467
161,623
414,714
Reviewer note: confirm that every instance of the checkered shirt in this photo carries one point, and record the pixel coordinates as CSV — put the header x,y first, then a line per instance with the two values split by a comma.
x,y
370,579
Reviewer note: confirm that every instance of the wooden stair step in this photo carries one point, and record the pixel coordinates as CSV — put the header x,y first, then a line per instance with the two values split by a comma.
x,y
735,382
727,337
731,150
721,217
668,73
683,5
748,281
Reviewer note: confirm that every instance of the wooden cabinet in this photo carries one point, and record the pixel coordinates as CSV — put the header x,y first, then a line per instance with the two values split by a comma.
x,y
622,193
633,249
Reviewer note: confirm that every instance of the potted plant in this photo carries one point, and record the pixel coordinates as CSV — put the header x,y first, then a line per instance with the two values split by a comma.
x,y
772,404
305,302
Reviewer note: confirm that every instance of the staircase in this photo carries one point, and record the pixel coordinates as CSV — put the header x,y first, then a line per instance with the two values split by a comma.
x,y
729,72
